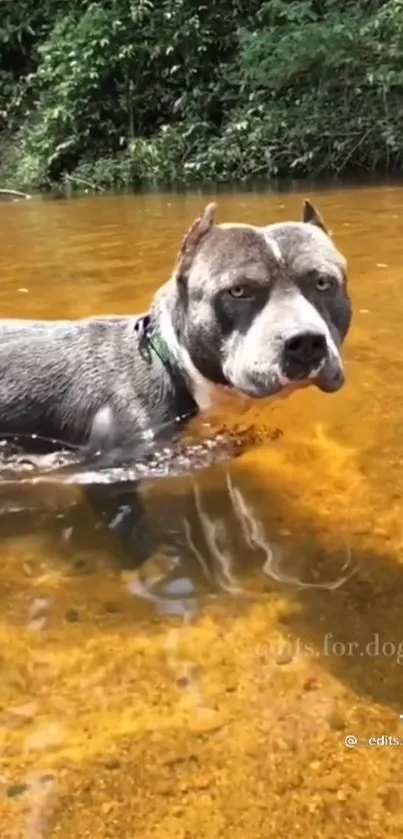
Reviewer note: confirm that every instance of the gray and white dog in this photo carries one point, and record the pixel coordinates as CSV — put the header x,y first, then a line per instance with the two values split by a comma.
x,y
257,310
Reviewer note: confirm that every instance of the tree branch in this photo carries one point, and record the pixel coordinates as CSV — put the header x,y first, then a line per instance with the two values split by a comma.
x,y
74,179
14,193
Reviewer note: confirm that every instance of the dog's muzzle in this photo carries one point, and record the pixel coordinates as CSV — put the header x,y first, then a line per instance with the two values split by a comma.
x,y
306,357
302,359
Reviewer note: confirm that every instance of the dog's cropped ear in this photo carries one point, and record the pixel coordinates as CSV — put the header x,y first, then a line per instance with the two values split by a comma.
x,y
310,215
196,233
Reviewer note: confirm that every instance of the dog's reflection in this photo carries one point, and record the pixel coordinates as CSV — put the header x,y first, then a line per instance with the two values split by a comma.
x,y
214,536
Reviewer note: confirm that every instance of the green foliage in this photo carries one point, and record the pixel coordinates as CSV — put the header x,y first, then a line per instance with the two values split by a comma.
x,y
130,92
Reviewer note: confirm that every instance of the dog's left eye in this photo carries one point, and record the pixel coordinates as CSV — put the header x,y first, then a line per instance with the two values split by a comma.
x,y
324,283
241,292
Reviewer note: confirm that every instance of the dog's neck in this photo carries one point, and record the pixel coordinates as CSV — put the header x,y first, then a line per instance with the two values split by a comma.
x,y
204,393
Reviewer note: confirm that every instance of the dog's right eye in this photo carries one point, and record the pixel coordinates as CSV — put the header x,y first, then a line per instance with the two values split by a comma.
x,y
324,283
240,292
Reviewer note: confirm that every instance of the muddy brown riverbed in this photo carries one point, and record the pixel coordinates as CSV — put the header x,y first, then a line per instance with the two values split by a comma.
x,y
211,692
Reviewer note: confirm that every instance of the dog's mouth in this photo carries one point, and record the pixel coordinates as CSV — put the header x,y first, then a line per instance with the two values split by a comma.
x,y
273,385
328,377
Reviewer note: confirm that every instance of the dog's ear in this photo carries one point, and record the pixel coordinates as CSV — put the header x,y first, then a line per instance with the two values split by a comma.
x,y
310,215
196,233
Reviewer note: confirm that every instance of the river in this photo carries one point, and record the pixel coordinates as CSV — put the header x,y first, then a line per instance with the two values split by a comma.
x,y
211,694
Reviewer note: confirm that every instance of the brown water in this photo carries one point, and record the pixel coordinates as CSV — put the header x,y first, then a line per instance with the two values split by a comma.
x,y
211,697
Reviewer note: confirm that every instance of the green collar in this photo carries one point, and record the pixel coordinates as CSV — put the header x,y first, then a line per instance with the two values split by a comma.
x,y
150,336
160,347
154,340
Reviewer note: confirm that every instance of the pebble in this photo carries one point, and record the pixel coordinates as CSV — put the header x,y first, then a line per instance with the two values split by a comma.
x,y
311,683
23,714
47,778
285,656
181,587
336,721
112,763
38,612
16,790
72,616
207,721
45,737
203,782
183,681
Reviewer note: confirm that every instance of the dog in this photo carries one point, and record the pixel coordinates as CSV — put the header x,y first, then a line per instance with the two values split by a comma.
x,y
258,311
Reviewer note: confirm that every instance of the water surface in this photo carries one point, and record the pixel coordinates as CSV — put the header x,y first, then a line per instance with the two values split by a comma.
x,y
210,693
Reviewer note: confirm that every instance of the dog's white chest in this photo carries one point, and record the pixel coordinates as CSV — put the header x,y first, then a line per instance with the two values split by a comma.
x,y
203,391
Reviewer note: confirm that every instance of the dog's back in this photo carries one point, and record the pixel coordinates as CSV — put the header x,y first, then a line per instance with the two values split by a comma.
x,y
56,376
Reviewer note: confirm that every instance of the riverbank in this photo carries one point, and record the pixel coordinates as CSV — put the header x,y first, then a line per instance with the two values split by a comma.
x,y
149,94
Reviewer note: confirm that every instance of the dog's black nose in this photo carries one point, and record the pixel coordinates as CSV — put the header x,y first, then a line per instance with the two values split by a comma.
x,y
303,353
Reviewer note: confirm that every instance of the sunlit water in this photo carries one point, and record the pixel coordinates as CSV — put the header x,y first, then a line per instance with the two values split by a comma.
x,y
210,692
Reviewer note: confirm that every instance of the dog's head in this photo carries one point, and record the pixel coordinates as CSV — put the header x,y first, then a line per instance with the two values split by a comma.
x,y
260,309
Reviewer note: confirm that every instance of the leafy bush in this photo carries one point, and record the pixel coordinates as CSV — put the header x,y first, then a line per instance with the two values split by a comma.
x,y
129,92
